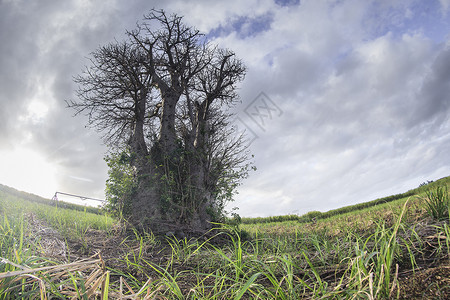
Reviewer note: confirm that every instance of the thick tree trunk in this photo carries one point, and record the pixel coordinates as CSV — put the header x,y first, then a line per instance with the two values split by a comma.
x,y
201,218
154,207
202,215
145,207
167,136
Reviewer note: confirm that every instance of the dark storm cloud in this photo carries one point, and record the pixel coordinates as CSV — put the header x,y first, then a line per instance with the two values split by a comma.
x,y
17,61
363,90
44,44
359,111
434,97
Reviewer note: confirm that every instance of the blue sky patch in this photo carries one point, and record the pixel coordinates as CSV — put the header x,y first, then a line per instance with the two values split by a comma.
x,y
244,26
287,2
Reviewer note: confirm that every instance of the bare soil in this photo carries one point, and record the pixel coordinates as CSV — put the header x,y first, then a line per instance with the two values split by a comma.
x,y
430,283
431,280
49,242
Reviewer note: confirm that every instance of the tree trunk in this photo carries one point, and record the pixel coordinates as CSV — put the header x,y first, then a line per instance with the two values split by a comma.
x,y
202,215
167,135
145,207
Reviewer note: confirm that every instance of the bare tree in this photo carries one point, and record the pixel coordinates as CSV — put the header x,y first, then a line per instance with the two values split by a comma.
x,y
163,95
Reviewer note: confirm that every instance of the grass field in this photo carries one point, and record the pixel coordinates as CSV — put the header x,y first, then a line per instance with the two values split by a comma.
x,y
391,248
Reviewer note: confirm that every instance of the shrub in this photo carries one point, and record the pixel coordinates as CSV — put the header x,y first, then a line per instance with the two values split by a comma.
x,y
437,203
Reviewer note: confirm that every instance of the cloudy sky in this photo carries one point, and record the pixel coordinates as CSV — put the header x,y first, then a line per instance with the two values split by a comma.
x,y
344,101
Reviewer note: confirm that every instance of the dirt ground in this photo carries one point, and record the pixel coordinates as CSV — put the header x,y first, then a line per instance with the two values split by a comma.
x,y
430,281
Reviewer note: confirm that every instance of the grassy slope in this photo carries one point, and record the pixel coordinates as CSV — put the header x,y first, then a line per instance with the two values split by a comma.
x,y
36,233
376,251
71,220
346,209
303,218
11,192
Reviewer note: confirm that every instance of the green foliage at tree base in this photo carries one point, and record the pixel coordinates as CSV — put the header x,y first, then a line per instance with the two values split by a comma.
x,y
121,184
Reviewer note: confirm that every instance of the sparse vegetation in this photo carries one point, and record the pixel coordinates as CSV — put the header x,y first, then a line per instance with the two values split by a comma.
x,y
392,250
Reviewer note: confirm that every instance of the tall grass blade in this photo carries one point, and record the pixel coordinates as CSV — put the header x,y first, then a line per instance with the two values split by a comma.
x,y
246,286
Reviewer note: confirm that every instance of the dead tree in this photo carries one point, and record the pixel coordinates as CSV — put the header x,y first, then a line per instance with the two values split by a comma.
x,y
163,94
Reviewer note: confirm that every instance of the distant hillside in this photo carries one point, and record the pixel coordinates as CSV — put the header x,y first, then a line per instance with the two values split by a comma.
x,y
303,218
323,215
35,198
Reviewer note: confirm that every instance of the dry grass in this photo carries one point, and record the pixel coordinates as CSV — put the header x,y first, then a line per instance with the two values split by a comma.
x,y
90,273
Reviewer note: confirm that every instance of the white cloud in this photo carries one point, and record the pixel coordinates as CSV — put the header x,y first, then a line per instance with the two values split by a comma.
x,y
27,170
207,15
348,113
445,5
363,87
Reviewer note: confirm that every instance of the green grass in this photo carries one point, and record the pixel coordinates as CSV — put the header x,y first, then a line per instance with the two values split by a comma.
x,y
70,222
348,209
20,248
357,253
437,203
11,192
16,249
